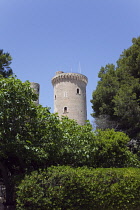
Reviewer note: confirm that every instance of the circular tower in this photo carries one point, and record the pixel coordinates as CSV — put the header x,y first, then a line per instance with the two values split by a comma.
x,y
36,88
70,95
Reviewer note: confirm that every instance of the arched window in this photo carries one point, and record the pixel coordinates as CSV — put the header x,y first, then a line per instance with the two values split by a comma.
x,y
65,110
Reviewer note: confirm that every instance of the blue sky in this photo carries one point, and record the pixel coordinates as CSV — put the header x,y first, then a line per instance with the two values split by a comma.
x,y
45,36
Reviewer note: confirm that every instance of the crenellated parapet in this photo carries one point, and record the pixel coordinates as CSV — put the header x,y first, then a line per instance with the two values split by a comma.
x,y
61,76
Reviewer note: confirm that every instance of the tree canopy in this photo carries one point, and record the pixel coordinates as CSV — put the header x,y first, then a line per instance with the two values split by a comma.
x,y
27,132
5,61
116,100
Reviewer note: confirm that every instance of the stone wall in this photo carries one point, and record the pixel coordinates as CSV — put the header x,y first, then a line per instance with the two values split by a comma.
x,y
70,95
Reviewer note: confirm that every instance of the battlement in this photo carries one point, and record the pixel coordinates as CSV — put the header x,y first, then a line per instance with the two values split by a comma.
x,y
61,76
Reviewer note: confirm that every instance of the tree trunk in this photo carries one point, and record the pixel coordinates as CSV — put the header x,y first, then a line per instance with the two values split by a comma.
x,y
8,184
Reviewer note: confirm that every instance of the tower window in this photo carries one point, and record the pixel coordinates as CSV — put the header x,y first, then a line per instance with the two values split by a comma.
x,y
78,91
65,110
65,94
55,97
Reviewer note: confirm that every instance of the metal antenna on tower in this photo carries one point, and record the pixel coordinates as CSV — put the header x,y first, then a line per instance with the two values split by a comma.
x,y
79,68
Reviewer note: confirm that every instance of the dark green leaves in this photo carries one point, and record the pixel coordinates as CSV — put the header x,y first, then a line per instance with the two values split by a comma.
x,y
5,61
117,96
61,188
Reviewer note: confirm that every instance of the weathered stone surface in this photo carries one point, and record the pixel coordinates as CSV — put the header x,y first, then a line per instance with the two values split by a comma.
x,y
70,95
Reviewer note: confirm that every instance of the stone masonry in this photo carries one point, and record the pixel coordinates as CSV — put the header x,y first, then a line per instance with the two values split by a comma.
x,y
36,87
70,95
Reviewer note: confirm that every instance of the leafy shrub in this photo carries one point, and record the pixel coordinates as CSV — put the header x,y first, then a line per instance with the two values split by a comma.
x,y
81,146
112,151
66,188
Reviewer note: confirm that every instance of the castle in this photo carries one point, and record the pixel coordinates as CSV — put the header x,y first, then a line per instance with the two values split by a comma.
x,y
69,95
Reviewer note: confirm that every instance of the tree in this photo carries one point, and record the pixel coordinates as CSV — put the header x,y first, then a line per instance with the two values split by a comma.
x,y
28,133
77,143
80,146
5,61
117,96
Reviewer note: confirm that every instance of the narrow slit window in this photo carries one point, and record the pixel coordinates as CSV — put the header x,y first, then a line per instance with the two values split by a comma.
x,y
78,91
55,97
65,94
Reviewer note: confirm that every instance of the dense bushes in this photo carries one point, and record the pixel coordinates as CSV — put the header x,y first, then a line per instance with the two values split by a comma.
x,y
66,188
111,150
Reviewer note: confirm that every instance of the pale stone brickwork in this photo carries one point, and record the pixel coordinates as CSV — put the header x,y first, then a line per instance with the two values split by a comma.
x,y
36,88
70,95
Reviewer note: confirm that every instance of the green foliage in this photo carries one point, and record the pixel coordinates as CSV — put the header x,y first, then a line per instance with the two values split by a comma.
x,y
106,89
111,150
28,133
5,61
32,131
26,130
32,138
17,120
61,188
80,146
75,143
117,96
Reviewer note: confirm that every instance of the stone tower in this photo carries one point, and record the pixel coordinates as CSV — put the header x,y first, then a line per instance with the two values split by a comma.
x,y
70,95
36,88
